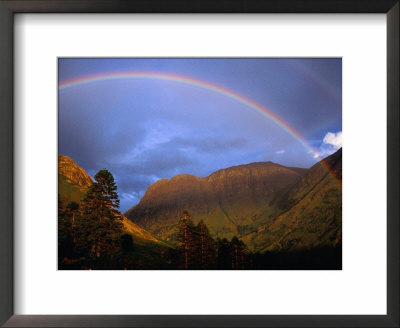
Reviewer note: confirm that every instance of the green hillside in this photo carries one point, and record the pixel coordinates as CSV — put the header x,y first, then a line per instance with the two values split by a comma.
x,y
147,252
269,206
232,201
314,218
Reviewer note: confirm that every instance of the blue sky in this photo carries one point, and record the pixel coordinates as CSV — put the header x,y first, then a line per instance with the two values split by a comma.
x,y
143,130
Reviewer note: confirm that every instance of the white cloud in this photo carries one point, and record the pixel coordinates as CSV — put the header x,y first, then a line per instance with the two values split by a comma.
x,y
333,139
280,152
318,155
330,144
132,196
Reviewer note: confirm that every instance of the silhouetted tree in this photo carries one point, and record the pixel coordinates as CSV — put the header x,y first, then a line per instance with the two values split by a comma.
x,y
65,241
231,255
237,249
224,260
126,242
205,247
186,238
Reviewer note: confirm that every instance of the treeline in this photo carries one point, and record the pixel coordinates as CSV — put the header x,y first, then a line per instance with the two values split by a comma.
x,y
90,234
198,250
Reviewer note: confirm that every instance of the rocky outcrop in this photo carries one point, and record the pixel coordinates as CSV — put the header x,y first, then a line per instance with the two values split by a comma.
x,y
73,172
73,183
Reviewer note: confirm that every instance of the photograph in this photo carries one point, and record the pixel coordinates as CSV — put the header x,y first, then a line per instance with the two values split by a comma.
x,y
199,163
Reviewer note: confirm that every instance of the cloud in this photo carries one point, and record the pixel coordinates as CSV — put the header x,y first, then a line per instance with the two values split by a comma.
x,y
330,144
131,183
127,200
142,130
319,155
333,139
209,144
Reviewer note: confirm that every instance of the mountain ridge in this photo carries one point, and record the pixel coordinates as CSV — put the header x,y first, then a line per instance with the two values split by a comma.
x,y
248,186
252,201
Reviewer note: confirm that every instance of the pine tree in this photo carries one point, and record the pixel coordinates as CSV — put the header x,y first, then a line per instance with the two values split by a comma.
x,y
205,247
108,189
99,227
237,253
231,255
187,242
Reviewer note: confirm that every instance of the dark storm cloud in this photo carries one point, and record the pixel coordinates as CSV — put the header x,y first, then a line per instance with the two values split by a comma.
x,y
178,155
158,162
90,153
168,159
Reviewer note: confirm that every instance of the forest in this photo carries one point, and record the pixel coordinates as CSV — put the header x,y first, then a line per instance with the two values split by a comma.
x,y
91,236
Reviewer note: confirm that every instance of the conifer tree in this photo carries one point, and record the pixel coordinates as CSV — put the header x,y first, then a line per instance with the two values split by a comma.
x,y
187,242
237,253
99,228
206,247
231,255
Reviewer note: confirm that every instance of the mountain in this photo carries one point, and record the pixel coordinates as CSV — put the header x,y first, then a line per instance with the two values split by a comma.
x,y
269,206
73,183
72,172
313,215
232,201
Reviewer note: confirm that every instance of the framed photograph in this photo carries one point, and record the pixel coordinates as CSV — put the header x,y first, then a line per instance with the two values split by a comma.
x,y
202,164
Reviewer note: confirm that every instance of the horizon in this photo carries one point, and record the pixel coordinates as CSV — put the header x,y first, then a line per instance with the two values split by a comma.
x,y
144,130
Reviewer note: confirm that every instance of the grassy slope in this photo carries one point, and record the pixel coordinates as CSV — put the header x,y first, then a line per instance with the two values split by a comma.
x,y
233,201
71,192
314,219
139,235
309,216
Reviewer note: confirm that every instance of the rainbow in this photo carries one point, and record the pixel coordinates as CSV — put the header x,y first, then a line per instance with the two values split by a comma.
x,y
187,80
198,83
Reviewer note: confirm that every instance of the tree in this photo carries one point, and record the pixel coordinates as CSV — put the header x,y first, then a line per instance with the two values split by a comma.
x,y
102,196
231,255
72,209
224,254
127,243
108,188
99,229
186,238
237,253
205,247
65,241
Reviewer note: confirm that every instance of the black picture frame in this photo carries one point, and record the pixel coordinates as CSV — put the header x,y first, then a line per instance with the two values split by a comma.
x,y
10,7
